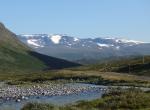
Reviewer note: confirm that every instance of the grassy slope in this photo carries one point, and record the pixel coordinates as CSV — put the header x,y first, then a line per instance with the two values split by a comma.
x,y
15,57
13,61
126,65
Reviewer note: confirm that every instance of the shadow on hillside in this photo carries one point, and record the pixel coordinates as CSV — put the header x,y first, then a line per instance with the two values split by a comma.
x,y
52,62
135,68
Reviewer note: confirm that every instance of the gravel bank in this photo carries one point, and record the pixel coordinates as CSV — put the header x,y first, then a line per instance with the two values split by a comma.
x,y
19,93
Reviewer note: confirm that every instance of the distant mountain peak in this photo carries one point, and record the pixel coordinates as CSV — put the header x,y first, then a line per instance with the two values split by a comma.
x,y
56,38
42,40
75,49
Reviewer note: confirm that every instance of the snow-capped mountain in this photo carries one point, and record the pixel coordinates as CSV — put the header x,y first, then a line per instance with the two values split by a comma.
x,y
74,48
43,40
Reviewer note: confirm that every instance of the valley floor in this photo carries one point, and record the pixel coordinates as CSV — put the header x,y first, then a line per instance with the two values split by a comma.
x,y
21,86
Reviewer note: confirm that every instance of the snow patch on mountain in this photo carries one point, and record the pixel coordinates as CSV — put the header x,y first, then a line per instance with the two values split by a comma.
x,y
56,38
103,45
128,41
45,40
33,42
76,39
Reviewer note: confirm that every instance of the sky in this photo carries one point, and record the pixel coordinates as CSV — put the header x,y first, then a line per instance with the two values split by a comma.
x,y
128,19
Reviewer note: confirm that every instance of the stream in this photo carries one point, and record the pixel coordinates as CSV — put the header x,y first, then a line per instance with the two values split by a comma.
x,y
94,92
62,94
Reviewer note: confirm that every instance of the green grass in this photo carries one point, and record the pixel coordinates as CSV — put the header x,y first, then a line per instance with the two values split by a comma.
x,y
129,99
66,76
36,106
16,62
13,61
125,65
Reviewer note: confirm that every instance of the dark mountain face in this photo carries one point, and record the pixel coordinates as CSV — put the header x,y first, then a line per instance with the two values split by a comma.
x,y
83,50
15,56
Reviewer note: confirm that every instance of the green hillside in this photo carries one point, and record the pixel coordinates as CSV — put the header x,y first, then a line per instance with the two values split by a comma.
x,y
138,66
17,57
135,65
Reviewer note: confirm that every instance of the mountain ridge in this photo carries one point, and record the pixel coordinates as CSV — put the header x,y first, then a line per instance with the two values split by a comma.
x,y
76,49
59,39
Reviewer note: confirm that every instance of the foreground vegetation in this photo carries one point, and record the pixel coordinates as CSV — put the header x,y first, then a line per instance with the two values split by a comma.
x,y
129,99
94,77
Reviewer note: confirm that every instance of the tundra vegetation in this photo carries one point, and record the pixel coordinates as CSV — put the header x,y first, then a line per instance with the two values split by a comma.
x,y
129,99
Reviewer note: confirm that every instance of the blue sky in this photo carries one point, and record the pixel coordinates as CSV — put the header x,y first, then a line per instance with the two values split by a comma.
x,y
82,18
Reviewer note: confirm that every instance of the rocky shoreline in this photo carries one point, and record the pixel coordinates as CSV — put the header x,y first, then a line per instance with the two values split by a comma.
x,y
18,93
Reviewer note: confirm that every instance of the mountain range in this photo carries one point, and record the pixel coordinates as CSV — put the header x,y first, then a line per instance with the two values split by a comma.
x,y
16,57
82,50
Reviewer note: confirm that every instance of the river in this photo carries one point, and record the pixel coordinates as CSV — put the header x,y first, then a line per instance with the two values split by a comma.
x,y
89,94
